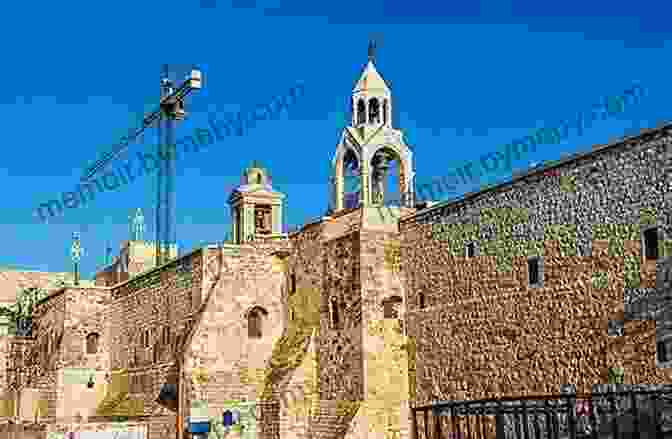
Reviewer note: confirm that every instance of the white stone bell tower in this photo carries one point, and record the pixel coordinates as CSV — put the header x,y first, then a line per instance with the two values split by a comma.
x,y
256,208
368,144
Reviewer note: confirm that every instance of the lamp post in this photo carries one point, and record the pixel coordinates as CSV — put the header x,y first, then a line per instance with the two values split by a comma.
x,y
76,255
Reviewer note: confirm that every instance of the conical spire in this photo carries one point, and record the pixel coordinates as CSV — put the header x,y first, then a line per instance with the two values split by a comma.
x,y
370,79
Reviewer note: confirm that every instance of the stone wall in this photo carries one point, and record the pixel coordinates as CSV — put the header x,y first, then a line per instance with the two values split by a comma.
x,y
233,364
148,322
340,348
484,331
385,364
41,360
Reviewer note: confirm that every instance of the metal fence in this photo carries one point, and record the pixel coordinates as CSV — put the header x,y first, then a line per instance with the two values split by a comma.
x,y
613,414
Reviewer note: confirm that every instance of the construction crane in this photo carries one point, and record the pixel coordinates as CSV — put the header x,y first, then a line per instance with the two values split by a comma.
x,y
171,109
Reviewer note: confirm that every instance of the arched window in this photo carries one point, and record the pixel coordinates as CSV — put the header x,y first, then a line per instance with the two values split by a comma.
x,y
422,300
385,111
361,112
374,111
258,178
145,338
254,322
392,307
334,313
92,343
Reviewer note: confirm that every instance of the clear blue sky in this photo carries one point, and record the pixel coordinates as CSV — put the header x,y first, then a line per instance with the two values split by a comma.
x,y
467,77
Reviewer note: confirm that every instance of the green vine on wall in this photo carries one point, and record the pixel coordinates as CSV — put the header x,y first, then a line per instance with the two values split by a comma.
x,y
600,280
565,234
505,218
568,183
647,216
501,246
617,235
632,275
455,235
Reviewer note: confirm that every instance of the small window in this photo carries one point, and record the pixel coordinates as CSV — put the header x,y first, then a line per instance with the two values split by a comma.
x,y
374,111
91,343
651,244
422,300
471,250
165,336
664,350
392,308
254,322
335,320
534,271
145,338
292,286
258,178
361,112
291,315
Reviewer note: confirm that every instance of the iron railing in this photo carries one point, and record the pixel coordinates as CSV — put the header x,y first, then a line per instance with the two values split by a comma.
x,y
612,414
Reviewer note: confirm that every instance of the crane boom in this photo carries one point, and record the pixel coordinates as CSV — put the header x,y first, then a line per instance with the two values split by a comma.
x,y
150,119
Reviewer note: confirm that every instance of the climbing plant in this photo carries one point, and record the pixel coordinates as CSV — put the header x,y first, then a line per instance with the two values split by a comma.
x,y
20,313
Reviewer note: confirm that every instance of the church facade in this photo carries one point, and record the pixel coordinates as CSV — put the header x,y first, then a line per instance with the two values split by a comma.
x,y
339,329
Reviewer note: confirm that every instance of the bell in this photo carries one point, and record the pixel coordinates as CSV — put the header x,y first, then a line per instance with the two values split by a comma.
x,y
90,384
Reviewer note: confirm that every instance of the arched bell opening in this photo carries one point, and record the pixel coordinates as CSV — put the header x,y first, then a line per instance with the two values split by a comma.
x,y
351,180
386,178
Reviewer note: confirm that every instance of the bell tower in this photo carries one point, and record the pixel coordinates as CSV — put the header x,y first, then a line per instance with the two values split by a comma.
x,y
256,208
368,147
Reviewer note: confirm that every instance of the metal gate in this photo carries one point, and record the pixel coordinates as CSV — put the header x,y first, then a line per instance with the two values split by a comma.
x,y
615,414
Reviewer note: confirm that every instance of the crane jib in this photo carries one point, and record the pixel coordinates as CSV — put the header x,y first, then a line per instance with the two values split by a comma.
x,y
180,93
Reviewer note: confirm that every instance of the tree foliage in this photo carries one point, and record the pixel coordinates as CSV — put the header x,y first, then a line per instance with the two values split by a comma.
x,y
20,313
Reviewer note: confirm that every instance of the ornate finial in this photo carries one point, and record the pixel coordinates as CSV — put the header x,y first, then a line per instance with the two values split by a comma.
x,y
138,226
76,255
372,50
108,253
76,249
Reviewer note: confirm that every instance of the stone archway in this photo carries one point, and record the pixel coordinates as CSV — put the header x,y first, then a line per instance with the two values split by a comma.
x,y
346,184
388,176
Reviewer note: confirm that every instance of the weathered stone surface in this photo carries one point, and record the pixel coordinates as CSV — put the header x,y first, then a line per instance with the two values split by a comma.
x,y
485,332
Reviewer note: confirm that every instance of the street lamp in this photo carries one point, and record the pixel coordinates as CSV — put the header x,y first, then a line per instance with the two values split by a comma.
x,y
76,255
